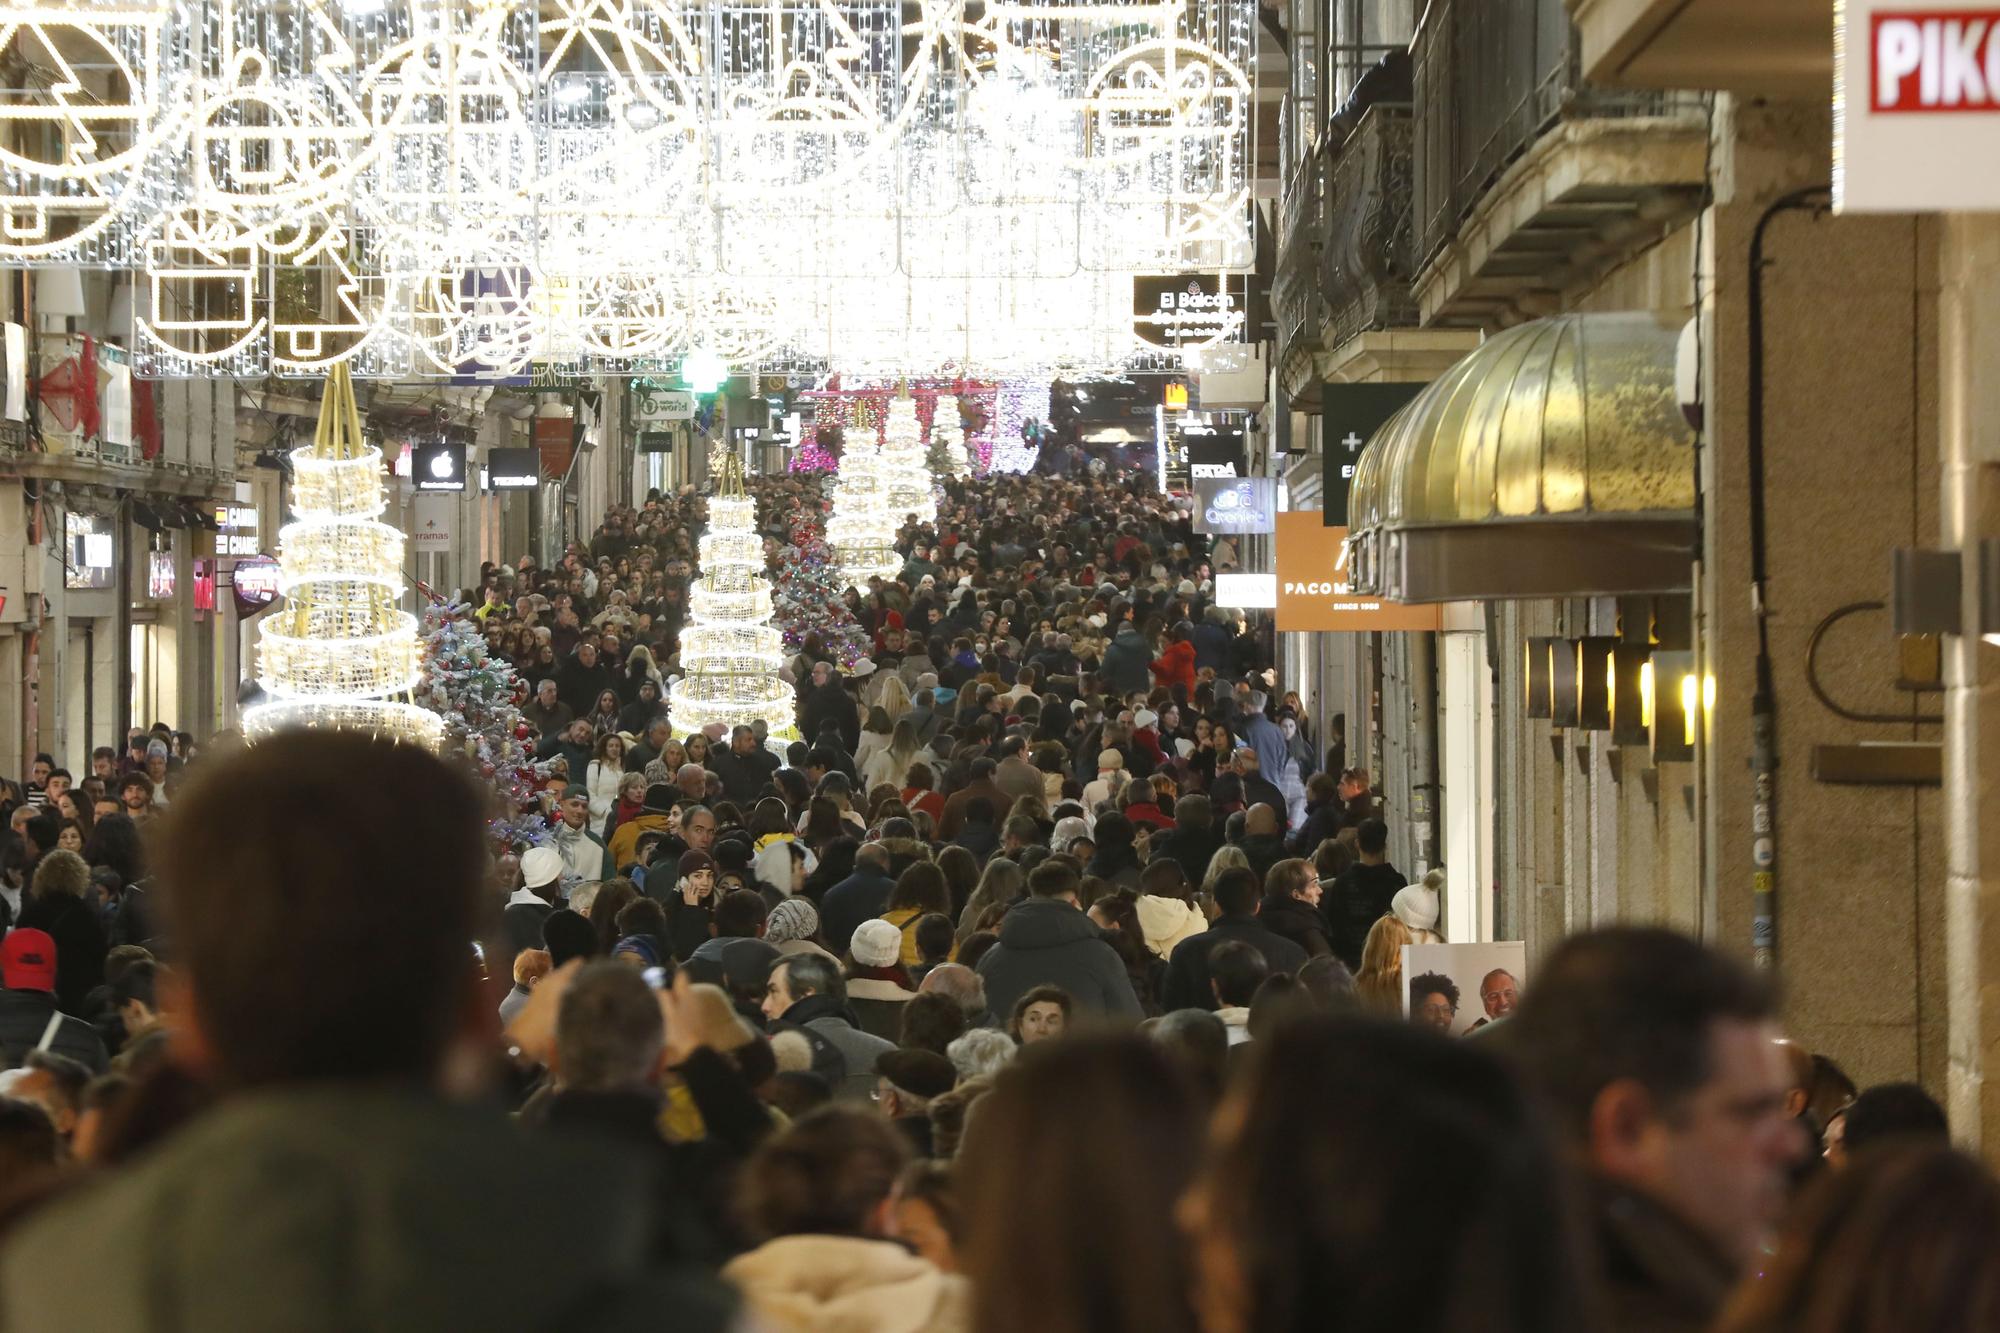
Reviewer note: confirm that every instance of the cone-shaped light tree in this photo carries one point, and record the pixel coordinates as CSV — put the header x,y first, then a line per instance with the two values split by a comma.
x,y
341,653
862,530
905,465
730,652
947,452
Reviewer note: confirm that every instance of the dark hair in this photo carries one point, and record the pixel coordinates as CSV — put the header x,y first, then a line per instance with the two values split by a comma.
x,y
1905,1239
1372,836
608,1029
1236,891
136,982
825,1174
1356,1136
1053,879
643,916
976,946
935,936
27,1138
1034,995
114,845
1433,983
1198,1042
1237,970
739,914
1087,1191
346,824
613,896
567,935
1890,1111
1629,1002
1329,982
823,821
921,886
836,862
930,1022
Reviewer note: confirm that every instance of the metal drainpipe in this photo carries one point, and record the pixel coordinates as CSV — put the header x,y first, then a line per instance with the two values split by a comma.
x,y
1763,703
1422,664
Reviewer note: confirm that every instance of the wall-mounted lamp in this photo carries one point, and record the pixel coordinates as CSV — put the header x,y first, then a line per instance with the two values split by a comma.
x,y
1563,685
1596,680
1629,678
1682,699
1536,656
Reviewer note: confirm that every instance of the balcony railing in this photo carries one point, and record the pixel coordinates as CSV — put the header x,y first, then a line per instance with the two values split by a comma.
x,y
1492,76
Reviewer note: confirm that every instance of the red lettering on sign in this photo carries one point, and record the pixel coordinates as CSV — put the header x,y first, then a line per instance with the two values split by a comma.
x,y
1934,60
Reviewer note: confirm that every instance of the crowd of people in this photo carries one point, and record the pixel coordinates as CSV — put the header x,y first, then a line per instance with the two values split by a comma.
x,y
1049,978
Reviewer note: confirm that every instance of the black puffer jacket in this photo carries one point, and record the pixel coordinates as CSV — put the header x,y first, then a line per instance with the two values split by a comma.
x,y
1297,921
1047,942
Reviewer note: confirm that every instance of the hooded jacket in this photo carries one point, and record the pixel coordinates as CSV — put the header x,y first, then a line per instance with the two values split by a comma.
x,y
1127,666
508,1233
859,1050
848,1284
1168,921
1175,666
1047,942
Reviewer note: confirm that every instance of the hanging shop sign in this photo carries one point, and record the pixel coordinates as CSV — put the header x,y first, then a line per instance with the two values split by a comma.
x,y
556,438
237,530
87,543
255,583
160,575
1235,504
1350,414
1916,107
1313,594
513,469
1214,452
438,465
1186,309
654,406
1246,592
431,527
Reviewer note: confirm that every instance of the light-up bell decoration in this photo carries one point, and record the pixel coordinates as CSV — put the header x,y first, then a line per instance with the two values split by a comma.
x,y
862,530
948,437
905,467
729,651
341,653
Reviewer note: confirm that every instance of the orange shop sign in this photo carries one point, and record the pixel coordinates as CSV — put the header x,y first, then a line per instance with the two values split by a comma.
x,y
1313,596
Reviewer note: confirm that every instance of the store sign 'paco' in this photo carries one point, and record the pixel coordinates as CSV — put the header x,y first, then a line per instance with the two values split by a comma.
x,y
1916,107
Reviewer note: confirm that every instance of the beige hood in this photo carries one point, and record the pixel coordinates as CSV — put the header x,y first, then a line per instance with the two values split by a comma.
x,y
843,1284
1168,921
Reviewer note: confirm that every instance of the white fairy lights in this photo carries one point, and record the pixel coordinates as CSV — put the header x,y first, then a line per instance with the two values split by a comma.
x,y
341,653
730,652
862,528
905,467
463,187
948,436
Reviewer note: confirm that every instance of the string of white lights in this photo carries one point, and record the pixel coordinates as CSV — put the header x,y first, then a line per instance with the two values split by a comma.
x,y
730,652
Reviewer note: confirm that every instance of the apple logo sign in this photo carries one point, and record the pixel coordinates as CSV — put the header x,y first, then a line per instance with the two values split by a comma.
x,y
441,465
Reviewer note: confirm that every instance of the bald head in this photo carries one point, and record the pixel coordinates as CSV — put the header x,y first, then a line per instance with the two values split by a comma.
x,y
1261,819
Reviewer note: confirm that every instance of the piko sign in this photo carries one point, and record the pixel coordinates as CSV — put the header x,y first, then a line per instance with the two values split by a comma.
x,y
1916,107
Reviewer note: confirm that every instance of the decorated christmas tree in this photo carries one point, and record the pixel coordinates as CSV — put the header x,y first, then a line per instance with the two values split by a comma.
x,y
905,466
808,588
729,650
947,456
478,696
341,654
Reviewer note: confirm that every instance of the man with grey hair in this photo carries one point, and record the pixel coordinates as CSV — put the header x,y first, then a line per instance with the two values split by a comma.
x,y
610,1038
964,985
826,702
807,991
546,713
980,1052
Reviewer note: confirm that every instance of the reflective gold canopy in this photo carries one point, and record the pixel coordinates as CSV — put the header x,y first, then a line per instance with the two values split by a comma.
x,y
1553,461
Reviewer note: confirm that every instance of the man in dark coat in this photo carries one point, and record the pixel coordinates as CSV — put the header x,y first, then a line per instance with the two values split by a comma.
x,y
29,1018
1128,664
1263,842
1291,906
1236,893
862,896
827,700
1192,841
744,769
1048,941
1362,893
583,678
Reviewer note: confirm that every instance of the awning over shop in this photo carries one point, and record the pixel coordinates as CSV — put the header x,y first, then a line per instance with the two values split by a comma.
x,y
1553,461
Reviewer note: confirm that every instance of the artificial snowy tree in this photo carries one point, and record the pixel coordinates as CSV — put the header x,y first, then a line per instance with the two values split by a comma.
x,y
905,466
341,654
807,589
478,695
730,653
947,452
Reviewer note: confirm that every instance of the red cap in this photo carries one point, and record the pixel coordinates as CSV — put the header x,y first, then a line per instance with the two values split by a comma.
x,y
28,960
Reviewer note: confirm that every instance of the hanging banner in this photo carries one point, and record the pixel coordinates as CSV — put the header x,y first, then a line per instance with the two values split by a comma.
x,y
1313,595
1187,309
431,529
255,583
1350,414
652,406
1235,504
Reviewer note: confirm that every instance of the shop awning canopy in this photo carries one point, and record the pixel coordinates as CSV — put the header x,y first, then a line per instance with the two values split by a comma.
x,y
1553,461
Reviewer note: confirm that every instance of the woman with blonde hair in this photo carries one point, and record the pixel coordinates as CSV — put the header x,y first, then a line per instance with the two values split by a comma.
x,y
892,696
887,765
1379,983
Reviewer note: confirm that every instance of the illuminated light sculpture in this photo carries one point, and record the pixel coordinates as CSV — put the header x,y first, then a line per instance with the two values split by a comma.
x,y
341,654
862,531
948,438
906,470
730,652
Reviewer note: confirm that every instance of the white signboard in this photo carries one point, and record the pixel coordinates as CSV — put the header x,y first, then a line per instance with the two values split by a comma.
x,y
431,531
1246,592
651,406
1916,107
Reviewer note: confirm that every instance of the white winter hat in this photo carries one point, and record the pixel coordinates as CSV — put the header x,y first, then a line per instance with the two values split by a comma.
x,y
1144,718
541,866
876,944
1416,905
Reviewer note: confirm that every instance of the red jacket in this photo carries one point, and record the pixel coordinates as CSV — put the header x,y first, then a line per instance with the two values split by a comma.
x,y
1175,666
